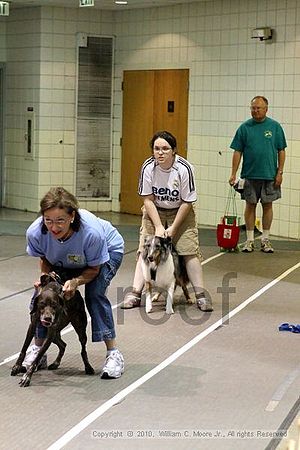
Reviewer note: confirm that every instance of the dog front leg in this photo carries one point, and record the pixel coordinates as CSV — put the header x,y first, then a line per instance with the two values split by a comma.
x,y
26,378
18,368
148,293
170,294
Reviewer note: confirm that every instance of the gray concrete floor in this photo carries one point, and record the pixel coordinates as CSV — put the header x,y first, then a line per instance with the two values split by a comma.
x,y
193,381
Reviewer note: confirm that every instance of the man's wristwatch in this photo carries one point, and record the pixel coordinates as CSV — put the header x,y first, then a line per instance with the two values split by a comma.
x,y
280,172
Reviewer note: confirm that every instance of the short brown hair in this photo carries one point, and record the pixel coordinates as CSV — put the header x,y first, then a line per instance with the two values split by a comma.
x,y
167,136
59,197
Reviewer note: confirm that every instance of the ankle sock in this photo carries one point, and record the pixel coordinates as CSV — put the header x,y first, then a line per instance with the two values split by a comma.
x,y
111,350
250,235
265,235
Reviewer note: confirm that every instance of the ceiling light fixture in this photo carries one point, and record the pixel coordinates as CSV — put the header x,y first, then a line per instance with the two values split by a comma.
x,y
121,2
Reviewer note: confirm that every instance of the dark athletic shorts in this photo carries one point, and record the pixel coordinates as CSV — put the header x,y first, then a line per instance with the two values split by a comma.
x,y
263,190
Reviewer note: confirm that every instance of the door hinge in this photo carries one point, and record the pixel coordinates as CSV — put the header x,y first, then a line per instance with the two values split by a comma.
x,y
119,196
121,141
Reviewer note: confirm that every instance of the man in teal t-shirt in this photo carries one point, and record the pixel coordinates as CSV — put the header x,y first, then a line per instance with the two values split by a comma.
x,y
260,143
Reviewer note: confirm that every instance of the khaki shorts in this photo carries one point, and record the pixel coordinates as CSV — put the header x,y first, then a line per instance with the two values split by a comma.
x,y
186,240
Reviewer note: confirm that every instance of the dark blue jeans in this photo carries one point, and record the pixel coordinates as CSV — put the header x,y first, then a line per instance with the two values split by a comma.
x,y
97,303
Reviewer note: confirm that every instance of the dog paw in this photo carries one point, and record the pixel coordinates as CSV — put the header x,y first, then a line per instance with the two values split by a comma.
x,y
15,370
53,366
148,305
89,370
169,311
155,297
25,380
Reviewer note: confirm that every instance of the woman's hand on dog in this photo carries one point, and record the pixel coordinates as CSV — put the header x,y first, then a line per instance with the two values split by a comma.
x,y
69,288
160,231
170,232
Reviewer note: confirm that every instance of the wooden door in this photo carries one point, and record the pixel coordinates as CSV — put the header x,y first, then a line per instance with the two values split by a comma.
x,y
137,129
171,105
153,100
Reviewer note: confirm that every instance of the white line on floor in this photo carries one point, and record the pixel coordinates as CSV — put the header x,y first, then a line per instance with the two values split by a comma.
x,y
73,432
212,257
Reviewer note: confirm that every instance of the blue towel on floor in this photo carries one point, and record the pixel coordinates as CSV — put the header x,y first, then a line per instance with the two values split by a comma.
x,y
289,327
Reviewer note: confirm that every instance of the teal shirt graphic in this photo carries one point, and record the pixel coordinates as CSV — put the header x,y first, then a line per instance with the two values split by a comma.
x,y
259,142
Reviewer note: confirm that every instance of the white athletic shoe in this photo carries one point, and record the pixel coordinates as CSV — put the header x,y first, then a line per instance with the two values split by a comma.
x,y
204,304
31,354
114,365
266,246
248,247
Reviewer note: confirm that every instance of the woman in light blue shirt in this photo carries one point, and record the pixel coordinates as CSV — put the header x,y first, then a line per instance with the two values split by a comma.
x,y
89,251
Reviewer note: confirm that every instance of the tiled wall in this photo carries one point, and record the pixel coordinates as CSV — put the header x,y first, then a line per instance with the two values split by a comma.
x,y
41,74
227,68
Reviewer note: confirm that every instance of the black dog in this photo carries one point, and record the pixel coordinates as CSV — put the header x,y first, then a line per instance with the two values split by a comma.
x,y
53,311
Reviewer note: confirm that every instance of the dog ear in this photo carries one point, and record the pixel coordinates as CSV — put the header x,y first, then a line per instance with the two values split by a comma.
x,y
165,240
169,242
35,304
45,279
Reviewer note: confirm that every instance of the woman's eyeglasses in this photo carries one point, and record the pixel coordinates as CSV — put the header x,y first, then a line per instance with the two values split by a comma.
x,y
59,222
162,149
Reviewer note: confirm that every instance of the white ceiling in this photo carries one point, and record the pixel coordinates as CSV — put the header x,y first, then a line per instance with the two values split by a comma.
x,y
99,4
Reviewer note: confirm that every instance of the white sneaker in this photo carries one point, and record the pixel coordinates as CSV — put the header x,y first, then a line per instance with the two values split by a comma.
x,y
30,356
114,365
266,246
248,247
204,304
